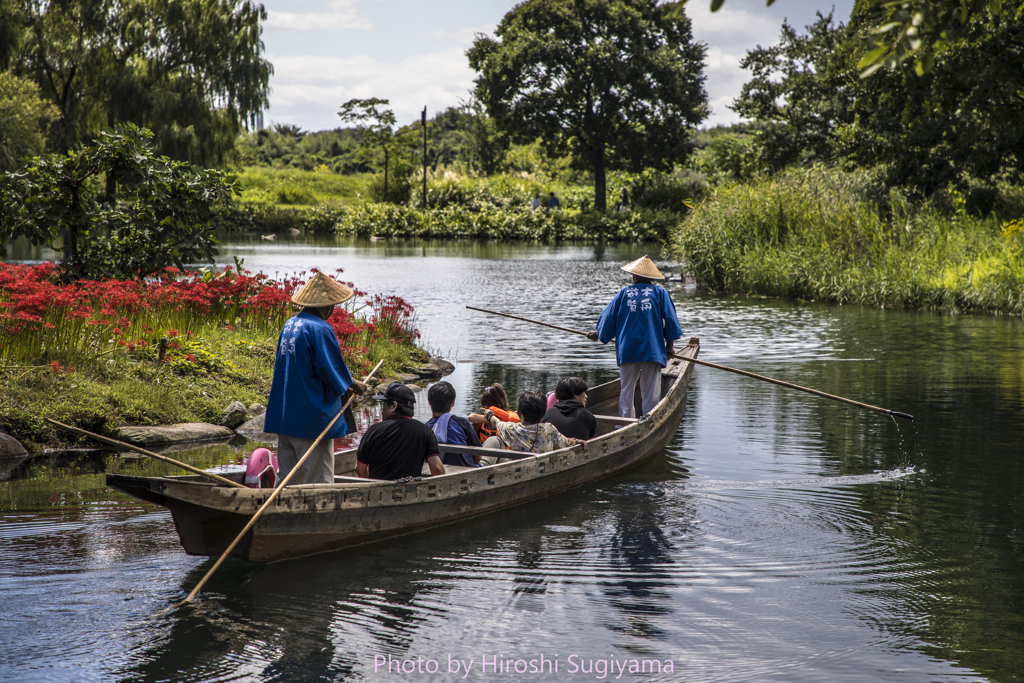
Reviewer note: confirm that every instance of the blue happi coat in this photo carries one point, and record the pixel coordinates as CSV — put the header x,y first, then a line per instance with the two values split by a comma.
x,y
310,378
641,319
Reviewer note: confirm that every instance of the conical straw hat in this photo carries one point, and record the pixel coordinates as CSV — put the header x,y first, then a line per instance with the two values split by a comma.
x,y
322,291
644,267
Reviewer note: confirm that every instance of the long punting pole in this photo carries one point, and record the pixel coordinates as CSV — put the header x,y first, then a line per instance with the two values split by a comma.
x,y
164,458
884,411
274,495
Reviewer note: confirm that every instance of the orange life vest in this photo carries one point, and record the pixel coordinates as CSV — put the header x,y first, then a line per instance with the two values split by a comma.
x,y
485,430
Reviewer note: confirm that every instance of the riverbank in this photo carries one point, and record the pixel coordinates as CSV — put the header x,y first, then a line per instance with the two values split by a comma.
x,y
108,354
455,222
824,235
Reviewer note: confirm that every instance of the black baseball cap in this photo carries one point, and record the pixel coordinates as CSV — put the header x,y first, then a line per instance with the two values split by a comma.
x,y
397,392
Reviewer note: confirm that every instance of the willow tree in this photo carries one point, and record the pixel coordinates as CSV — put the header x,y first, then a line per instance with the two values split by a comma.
x,y
192,71
617,83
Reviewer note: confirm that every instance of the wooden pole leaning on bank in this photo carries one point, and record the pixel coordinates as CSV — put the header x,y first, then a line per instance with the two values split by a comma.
x,y
171,461
274,495
884,411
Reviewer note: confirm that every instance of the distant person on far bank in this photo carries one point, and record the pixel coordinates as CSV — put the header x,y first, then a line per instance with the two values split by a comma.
x,y
310,380
535,202
398,445
642,321
451,429
553,202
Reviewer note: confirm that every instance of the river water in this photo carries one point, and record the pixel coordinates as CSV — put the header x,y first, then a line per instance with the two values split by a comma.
x,y
779,537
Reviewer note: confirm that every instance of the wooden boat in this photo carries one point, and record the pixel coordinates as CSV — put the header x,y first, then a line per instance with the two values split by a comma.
x,y
314,518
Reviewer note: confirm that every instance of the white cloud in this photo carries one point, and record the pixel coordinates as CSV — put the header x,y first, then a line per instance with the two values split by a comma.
x,y
311,89
465,36
343,14
734,28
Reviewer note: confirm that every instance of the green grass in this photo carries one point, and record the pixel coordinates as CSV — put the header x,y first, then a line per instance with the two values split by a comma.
x,y
300,189
125,390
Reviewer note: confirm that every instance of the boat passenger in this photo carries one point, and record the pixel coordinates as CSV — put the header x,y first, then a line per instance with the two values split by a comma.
x,y
398,445
642,321
495,400
310,380
530,435
452,429
570,415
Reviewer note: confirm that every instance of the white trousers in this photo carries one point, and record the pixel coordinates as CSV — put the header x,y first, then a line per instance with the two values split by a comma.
x,y
649,376
319,466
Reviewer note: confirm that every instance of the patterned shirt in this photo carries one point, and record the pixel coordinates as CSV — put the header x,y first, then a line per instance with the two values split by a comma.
x,y
535,438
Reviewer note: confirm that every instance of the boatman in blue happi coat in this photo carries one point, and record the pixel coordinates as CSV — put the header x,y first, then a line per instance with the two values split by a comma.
x,y
642,321
310,382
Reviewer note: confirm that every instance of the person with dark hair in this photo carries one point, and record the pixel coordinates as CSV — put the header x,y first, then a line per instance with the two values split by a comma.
x,y
495,400
642,320
570,415
530,435
397,446
449,428
309,384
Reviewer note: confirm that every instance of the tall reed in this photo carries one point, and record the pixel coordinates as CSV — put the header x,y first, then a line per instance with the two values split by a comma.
x,y
817,234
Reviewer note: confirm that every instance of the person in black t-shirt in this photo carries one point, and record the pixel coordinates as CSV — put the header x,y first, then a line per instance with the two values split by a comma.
x,y
569,415
397,446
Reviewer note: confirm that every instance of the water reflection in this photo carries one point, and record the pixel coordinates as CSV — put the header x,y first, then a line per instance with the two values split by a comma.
x,y
759,545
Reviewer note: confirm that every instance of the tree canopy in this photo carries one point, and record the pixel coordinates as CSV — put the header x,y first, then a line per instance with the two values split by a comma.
x,y
24,120
190,70
616,83
906,30
961,119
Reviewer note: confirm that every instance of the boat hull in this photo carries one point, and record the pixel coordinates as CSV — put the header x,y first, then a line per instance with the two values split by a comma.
x,y
316,518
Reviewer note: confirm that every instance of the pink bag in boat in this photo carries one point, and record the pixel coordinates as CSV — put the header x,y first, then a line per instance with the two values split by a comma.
x,y
552,399
261,469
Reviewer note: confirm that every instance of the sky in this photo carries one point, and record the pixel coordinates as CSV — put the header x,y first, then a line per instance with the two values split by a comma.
x,y
413,52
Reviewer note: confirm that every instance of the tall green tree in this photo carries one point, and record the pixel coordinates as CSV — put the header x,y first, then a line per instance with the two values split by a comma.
x,y
802,90
24,120
377,126
161,219
902,31
963,118
616,83
191,70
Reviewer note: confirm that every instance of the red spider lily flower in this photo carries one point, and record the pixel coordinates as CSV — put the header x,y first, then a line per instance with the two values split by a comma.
x,y
172,333
173,345
55,365
191,358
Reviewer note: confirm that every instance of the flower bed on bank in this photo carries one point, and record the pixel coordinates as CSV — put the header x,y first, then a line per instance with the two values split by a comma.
x,y
174,348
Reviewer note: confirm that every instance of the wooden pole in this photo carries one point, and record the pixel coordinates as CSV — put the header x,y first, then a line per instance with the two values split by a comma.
x,y
847,401
274,495
527,320
121,444
423,120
